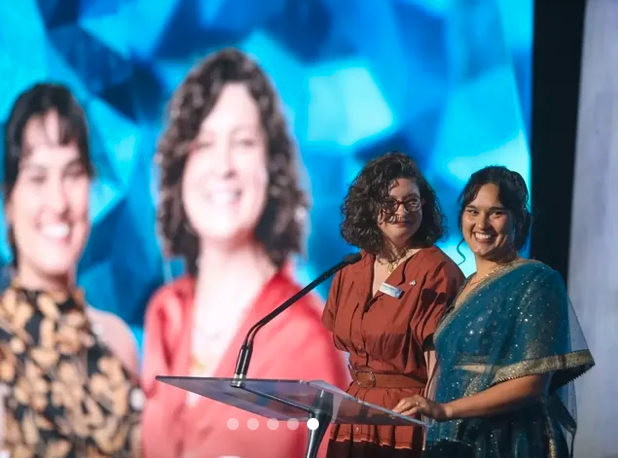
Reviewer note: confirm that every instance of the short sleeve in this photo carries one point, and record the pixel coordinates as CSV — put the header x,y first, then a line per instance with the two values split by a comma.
x,y
330,308
161,314
438,291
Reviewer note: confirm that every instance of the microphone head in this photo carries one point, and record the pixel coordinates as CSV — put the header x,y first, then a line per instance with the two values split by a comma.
x,y
352,258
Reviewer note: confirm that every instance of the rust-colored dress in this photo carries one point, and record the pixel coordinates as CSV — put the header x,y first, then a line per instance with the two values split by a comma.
x,y
385,338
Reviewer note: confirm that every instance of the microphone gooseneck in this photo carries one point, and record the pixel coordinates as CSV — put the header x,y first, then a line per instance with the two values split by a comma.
x,y
246,349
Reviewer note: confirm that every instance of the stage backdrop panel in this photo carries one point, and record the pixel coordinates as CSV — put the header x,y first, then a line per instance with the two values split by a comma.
x,y
593,264
447,82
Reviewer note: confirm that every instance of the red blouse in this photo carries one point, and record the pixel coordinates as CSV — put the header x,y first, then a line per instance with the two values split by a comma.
x,y
293,346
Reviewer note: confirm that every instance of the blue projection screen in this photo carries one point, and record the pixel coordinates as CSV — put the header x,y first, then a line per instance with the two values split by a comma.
x,y
447,82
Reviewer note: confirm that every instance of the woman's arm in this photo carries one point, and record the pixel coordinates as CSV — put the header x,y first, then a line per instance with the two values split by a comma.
x,y
498,399
330,307
118,337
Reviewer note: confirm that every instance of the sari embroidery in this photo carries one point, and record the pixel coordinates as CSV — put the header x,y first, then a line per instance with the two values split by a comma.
x,y
516,324
460,299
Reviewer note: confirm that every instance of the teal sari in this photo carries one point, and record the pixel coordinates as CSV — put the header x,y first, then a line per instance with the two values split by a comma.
x,y
515,324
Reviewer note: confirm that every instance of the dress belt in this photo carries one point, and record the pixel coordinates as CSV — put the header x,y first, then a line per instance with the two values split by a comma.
x,y
366,378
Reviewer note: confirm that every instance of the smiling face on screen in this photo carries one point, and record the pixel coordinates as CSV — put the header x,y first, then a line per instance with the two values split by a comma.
x,y
225,182
48,206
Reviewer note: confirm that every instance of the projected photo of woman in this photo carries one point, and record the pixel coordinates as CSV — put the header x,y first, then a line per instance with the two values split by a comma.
x,y
231,206
67,371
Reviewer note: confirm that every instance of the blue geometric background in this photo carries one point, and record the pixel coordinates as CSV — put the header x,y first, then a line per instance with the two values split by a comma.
x,y
448,82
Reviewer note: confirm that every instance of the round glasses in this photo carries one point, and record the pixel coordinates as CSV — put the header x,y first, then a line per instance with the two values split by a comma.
x,y
411,205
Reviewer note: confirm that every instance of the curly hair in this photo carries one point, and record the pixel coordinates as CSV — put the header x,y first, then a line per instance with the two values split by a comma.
x,y
512,193
281,226
363,204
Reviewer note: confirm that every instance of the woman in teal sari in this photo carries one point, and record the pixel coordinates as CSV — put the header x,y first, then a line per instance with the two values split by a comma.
x,y
510,347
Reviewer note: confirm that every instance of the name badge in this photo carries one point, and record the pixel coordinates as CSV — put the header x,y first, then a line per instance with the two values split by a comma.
x,y
391,290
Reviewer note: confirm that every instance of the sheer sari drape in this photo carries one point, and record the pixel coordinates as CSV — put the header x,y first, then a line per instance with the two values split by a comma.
x,y
516,324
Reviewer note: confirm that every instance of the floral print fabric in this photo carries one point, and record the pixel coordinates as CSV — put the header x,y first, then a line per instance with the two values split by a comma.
x,y
68,395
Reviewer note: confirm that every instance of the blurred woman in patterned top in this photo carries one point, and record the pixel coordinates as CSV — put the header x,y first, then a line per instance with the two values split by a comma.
x,y
66,370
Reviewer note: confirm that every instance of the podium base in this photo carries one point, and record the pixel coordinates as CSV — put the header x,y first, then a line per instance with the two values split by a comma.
x,y
316,435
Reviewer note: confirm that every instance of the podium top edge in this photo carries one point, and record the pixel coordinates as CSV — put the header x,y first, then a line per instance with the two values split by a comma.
x,y
163,378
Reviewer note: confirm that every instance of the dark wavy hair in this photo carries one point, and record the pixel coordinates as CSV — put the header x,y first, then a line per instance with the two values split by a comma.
x,y
36,102
363,204
281,226
512,193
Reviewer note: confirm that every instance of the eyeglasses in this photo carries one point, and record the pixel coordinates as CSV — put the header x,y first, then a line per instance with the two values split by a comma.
x,y
412,205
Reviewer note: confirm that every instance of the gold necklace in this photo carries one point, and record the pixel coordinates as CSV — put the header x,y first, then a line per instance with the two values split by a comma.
x,y
476,281
471,285
392,265
495,271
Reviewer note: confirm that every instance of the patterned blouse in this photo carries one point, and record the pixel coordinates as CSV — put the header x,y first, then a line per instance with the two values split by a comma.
x,y
68,395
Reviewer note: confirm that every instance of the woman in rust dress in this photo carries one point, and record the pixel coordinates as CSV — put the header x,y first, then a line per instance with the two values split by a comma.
x,y
384,309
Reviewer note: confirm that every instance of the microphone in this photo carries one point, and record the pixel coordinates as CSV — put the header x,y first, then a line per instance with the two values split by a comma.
x,y
244,356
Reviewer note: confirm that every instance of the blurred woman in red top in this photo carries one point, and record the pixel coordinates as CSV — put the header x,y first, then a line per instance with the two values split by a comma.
x,y
231,206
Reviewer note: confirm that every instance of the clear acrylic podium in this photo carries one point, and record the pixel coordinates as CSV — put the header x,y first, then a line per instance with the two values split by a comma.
x,y
292,399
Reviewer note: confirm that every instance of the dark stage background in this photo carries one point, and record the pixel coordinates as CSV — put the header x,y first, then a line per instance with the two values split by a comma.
x,y
574,181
